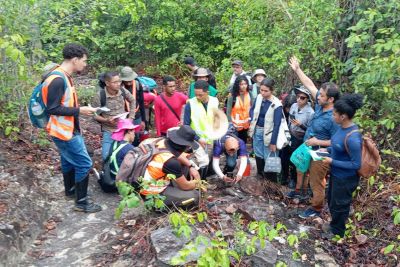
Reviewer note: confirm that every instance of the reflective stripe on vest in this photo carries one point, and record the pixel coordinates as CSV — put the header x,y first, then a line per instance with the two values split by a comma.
x,y
241,112
113,157
59,126
154,177
202,120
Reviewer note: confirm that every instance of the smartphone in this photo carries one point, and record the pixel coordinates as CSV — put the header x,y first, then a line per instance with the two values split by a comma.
x,y
229,174
292,117
323,154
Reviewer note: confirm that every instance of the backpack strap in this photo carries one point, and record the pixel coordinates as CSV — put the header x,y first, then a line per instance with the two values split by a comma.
x,y
169,106
113,157
103,97
347,137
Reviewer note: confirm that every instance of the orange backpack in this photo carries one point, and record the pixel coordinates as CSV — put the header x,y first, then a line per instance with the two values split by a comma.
x,y
370,158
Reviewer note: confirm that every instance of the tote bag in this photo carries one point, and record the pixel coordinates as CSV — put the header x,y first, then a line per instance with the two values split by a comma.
x,y
301,158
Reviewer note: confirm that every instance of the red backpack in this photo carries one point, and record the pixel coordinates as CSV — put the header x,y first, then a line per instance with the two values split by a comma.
x,y
370,158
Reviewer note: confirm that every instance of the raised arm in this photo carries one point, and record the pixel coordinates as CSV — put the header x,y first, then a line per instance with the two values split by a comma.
x,y
305,80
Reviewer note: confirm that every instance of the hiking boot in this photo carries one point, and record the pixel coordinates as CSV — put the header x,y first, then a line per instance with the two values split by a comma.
x,y
308,213
83,203
294,194
69,184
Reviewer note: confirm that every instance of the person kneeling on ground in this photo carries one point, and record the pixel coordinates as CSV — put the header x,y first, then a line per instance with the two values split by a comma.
x,y
123,138
232,147
183,189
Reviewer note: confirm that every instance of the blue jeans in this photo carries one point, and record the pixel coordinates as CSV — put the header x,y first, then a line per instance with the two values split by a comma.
x,y
261,150
74,156
231,161
106,143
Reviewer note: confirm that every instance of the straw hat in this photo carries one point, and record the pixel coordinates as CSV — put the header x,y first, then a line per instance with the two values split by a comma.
x,y
220,125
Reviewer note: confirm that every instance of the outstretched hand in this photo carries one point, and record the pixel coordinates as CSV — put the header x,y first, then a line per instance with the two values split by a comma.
x,y
294,63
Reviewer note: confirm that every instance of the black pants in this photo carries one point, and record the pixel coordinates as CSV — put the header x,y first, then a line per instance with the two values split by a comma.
x,y
294,144
243,135
339,200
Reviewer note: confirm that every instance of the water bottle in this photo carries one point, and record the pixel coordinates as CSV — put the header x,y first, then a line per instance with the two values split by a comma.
x,y
39,113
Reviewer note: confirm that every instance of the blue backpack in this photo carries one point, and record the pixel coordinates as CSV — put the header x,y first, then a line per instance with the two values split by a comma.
x,y
36,107
147,83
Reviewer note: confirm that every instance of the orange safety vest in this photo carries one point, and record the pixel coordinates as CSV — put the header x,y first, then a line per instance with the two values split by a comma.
x,y
240,113
154,177
60,126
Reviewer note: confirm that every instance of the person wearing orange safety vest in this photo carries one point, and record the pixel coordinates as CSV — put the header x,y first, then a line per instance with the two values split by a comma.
x,y
62,106
118,100
130,83
173,161
238,107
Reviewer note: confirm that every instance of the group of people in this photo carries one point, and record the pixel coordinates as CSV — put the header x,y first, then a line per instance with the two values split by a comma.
x,y
320,118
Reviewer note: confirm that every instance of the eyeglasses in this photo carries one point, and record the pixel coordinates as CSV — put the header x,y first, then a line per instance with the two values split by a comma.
x,y
301,97
116,82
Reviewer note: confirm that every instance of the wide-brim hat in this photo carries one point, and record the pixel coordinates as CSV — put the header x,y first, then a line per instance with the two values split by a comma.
x,y
127,74
123,124
183,136
201,72
257,72
302,89
220,125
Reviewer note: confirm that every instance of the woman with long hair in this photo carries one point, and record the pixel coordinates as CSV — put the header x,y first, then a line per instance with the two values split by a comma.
x,y
238,107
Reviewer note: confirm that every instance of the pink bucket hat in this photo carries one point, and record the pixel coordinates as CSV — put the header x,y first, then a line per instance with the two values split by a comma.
x,y
123,124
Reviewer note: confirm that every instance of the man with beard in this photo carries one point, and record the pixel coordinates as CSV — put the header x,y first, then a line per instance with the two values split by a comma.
x,y
318,135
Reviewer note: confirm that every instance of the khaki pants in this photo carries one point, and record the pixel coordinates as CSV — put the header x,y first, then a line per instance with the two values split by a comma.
x,y
318,171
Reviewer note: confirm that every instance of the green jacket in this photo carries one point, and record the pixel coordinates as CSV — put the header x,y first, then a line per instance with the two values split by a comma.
x,y
211,91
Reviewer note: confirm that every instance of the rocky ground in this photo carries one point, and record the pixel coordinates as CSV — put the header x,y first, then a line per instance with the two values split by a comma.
x,y
39,228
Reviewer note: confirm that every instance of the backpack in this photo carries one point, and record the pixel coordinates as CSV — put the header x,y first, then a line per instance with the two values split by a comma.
x,y
107,174
147,83
370,158
36,107
136,161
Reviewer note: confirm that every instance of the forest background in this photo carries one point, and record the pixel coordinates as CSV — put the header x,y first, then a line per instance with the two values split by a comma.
x,y
354,43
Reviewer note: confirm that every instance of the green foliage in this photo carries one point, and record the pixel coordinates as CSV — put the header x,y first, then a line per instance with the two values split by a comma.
x,y
132,199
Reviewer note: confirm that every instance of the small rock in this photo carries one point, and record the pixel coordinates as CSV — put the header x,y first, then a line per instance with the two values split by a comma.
x,y
252,185
131,222
232,208
324,259
265,256
318,221
361,239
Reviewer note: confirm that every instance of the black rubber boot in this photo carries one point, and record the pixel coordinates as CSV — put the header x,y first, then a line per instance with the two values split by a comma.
x,y
82,201
203,172
69,183
272,176
260,165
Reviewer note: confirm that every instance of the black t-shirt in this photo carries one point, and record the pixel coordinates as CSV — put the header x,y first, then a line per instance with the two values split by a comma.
x,y
55,94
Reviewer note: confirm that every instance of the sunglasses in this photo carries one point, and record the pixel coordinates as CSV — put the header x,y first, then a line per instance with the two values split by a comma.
x,y
301,97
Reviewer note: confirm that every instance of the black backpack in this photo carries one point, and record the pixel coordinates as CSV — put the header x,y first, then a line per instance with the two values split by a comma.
x,y
107,174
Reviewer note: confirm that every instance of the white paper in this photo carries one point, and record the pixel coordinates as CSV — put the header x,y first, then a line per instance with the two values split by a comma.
x,y
121,116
